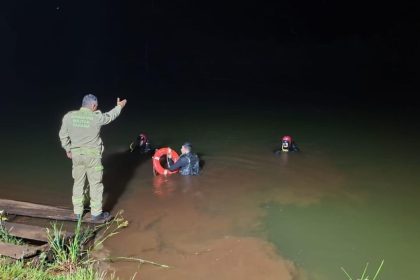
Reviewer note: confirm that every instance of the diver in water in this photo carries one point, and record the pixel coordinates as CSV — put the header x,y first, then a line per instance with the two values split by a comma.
x,y
141,144
188,163
287,145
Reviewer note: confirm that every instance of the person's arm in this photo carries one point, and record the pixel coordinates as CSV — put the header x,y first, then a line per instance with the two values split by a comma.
x,y
108,117
64,136
182,161
134,144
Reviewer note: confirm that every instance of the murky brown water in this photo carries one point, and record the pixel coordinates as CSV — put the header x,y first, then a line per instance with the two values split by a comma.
x,y
249,215
212,223
194,225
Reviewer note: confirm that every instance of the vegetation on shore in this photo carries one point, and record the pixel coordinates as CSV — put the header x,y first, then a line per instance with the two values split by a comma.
x,y
364,274
68,258
72,259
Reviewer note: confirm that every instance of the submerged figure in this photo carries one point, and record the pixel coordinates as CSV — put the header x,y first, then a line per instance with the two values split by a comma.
x,y
141,144
188,163
80,138
287,145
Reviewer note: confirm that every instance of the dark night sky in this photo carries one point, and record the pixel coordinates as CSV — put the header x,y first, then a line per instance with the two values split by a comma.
x,y
319,48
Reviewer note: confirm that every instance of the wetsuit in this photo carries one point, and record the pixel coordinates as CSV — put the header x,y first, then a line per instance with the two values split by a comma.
x,y
293,148
143,147
188,164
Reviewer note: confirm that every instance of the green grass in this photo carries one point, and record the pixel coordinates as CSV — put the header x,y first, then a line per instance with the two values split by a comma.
x,y
69,258
29,271
70,254
364,276
7,238
4,233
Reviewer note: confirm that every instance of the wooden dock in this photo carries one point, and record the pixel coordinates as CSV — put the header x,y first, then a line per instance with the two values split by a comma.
x,y
20,208
34,234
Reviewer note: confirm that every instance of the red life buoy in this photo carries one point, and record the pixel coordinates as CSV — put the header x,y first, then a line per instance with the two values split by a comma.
x,y
156,160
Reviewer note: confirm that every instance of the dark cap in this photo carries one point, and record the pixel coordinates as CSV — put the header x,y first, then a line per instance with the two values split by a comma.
x,y
187,145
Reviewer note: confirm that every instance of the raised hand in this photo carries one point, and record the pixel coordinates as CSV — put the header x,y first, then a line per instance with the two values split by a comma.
x,y
121,102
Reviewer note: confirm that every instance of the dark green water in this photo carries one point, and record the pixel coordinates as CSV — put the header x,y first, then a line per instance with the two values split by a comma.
x,y
349,198
375,214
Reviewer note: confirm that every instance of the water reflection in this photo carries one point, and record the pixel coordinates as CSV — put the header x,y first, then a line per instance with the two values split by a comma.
x,y
284,158
167,186
162,186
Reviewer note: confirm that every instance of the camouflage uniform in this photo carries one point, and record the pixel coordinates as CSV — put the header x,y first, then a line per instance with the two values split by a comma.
x,y
79,134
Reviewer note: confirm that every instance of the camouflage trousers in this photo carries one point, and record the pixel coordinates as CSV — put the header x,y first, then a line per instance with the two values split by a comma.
x,y
90,167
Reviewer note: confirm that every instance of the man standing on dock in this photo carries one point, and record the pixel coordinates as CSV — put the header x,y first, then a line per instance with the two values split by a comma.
x,y
80,138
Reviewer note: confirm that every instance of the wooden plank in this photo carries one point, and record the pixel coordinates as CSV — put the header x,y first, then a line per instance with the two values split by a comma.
x,y
42,211
18,251
30,232
35,210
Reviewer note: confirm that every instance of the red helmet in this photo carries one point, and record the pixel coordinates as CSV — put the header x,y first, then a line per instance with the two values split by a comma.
x,y
287,138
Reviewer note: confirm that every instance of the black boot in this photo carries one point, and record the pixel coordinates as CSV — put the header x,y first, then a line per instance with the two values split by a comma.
x,y
103,216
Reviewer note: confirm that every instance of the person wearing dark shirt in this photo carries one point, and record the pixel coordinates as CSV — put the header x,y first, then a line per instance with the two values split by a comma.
x,y
187,164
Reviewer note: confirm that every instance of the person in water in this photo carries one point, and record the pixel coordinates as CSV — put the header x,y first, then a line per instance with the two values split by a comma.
x,y
187,164
141,144
287,145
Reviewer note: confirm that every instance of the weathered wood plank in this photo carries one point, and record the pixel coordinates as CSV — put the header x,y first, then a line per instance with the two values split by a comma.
x,y
18,251
41,211
30,232
35,210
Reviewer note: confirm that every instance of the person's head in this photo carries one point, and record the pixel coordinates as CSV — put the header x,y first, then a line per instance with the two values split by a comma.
x,y
286,142
186,148
90,101
142,139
